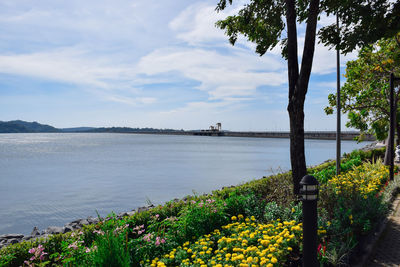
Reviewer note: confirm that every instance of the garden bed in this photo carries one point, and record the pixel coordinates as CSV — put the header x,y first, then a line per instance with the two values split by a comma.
x,y
350,207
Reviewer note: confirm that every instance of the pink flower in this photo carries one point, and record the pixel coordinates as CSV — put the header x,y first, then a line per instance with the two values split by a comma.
x,y
87,250
32,251
162,241
32,258
147,237
157,215
100,232
73,245
42,256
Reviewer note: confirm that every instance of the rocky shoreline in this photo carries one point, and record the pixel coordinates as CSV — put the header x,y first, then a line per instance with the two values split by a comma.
x,y
8,239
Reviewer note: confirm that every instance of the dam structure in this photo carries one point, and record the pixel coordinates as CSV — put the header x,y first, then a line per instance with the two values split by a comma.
x,y
322,135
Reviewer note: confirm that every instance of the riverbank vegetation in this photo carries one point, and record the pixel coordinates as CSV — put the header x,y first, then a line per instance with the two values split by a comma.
x,y
257,223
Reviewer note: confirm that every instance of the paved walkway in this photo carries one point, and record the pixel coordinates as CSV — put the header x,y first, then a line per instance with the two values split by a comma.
x,y
387,250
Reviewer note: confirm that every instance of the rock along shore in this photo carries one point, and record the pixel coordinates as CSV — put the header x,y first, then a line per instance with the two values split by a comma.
x,y
8,239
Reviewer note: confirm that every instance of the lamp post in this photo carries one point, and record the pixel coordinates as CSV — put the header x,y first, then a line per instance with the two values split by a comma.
x,y
309,197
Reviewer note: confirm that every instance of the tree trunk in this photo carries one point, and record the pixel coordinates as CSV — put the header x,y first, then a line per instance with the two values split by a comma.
x,y
297,154
293,76
298,85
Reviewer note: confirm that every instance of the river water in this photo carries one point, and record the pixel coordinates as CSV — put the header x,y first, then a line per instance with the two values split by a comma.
x,y
55,178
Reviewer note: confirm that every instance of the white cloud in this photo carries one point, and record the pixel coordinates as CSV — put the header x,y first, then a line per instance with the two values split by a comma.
x,y
130,100
64,65
196,25
222,76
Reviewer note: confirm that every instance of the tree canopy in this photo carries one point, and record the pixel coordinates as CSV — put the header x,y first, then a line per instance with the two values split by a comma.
x,y
269,23
362,22
365,94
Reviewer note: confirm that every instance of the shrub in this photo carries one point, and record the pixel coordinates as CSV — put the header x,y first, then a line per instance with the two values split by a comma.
x,y
275,212
248,204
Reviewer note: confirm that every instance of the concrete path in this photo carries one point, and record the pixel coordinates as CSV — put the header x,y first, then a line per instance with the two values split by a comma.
x,y
386,251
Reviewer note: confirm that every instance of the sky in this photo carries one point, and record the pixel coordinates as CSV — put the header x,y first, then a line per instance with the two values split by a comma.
x,y
147,63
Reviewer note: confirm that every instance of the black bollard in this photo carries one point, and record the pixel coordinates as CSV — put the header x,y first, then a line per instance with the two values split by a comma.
x,y
309,197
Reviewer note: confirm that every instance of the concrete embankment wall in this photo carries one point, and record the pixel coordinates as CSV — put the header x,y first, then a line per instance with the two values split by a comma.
x,y
307,135
321,135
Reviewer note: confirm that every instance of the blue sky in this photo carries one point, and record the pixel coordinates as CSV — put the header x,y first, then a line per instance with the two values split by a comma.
x,y
146,63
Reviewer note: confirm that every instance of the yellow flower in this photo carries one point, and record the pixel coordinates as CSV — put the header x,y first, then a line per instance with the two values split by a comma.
x,y
233,218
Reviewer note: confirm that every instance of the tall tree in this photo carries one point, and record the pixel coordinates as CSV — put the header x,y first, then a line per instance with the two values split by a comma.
x,y
271,22
365,95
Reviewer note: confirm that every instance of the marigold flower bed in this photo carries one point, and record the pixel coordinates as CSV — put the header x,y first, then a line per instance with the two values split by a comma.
x,y
365,179
244,242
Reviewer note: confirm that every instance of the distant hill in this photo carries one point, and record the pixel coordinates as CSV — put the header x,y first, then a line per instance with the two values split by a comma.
x,y
19,126
130,130
77,129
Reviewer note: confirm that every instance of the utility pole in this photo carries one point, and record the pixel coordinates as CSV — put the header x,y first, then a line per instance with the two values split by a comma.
x,y
338,105
392,124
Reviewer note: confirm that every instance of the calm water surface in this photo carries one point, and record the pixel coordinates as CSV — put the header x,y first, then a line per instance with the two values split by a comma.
x,y
52,179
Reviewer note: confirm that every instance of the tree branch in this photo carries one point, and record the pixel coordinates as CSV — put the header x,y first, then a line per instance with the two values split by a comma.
x,y
309,47
293,64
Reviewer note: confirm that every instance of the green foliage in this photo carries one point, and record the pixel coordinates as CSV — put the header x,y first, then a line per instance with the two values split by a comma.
x,y
112,250
365,95
275,212
201,217
355,203
325,174
247,204
362,22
